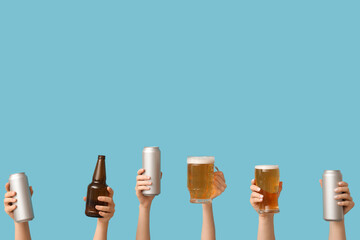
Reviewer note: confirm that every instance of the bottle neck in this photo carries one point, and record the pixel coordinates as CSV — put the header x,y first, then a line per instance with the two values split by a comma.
x,y
100,172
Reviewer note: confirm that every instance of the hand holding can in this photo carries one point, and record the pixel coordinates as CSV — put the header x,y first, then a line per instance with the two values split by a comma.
x,y
18,204
336,196
151,162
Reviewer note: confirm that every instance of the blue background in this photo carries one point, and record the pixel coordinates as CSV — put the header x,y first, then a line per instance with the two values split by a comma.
x,y
250,82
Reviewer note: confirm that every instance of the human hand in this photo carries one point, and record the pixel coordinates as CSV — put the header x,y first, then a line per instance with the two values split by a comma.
x,y
107,212
10,200
344,196
256,198
219,184
143,183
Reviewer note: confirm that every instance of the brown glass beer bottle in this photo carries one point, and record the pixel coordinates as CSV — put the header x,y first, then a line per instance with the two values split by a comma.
x,y
96,188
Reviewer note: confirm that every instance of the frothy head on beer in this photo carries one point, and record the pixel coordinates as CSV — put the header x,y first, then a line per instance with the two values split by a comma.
x,y
267,167
201,160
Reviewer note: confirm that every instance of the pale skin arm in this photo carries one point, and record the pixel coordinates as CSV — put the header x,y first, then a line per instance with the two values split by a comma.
x,y
143,182
22,230
337,229
266,220
208,225
143,227
107,212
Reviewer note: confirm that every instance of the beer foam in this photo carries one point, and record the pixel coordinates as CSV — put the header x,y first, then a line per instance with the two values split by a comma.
x,y
267,167
201,160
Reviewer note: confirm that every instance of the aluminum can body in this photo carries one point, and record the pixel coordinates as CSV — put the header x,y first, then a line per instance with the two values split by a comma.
x,y
332,211
24,211
151,162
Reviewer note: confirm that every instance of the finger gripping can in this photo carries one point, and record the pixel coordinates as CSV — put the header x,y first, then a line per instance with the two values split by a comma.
x,y
24,211
332,211
151,164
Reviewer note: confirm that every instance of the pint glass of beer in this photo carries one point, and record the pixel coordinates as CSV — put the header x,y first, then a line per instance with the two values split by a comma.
x,y
200,178
267,178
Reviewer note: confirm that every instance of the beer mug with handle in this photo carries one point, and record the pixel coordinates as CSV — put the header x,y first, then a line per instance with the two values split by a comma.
x,y
200,178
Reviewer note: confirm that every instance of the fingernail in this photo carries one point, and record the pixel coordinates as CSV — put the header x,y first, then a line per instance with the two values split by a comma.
x,y
336,197
261,196
339,203
336,189
258,189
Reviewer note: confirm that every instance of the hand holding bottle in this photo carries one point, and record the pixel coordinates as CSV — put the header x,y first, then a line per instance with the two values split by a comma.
x,y
106,212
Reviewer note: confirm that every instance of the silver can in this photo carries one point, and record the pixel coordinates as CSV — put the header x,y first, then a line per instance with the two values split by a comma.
x,y
332,211
151,164
24,211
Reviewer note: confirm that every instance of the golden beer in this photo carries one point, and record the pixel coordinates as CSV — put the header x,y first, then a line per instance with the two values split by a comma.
x,y
267,178
200,178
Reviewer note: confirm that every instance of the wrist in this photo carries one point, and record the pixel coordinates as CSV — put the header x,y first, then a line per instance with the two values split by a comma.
x,y
145,206
337,223
266,216
22,226
103,223
207,205
21,223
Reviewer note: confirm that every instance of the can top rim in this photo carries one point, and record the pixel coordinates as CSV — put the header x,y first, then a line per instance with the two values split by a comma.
x,y
152,147
16,174
329,171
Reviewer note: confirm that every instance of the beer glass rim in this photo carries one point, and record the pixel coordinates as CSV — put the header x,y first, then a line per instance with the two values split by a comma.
x,y
266,167
201,160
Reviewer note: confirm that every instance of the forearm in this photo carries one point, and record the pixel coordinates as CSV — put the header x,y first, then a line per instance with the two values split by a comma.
x,y
101,230
22,231
337,231
143,228
266,227
208,225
